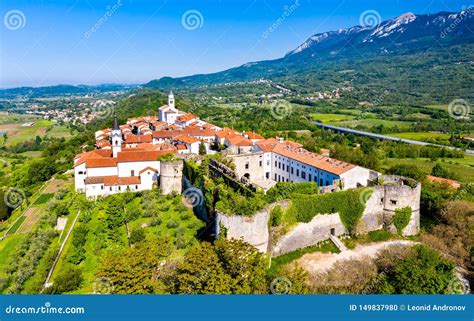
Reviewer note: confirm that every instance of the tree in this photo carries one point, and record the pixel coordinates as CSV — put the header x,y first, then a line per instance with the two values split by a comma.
x,y
202,149
68,280
133,271
422,271
410,171
202,273
244,264
137,235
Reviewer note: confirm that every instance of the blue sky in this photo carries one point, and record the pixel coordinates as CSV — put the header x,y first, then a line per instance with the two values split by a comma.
x,y
134,41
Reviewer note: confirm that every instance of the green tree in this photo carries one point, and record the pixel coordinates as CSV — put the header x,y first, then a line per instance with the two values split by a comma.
x,y
422,271
244,264
134,270
68,280
202,273
202,149
137,235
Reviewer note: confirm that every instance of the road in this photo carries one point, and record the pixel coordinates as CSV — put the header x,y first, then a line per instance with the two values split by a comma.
x,y
379,136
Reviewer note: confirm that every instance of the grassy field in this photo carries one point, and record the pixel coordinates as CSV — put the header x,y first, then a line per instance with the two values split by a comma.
x,y
463,168
331,118
20,134
424,137
372,122
59,132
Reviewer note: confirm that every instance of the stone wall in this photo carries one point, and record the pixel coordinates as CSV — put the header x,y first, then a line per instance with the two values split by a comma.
x,y
379,210
252,229
307,234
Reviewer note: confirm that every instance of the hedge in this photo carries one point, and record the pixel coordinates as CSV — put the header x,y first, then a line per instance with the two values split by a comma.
x,y
349,204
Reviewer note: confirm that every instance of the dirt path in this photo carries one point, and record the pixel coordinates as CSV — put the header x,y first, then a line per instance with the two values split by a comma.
x,y
319,262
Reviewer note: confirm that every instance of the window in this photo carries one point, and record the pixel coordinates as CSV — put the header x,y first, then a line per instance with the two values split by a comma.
x,y
279,165
283,166
110,188
136,186
327,183
267,175
292,171
275,176
261,163
320,182
276,164
309,177
297,172
303,175
393,202
132,173
247,166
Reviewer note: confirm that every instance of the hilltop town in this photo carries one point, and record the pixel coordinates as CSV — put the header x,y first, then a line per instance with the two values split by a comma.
x,y
126,157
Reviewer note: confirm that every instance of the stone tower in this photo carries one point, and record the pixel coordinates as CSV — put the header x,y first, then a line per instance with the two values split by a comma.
x,y
116,137
171,177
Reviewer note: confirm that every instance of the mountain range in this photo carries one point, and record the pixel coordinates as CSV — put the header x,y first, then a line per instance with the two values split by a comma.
x,y
423,46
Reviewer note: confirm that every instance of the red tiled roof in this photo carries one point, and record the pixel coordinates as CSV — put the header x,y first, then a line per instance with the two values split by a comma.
x,y
196,131
181,147
186,139
115,180
252,135
98,153
101,162
238,140
186,117
142,156
134,139
102,143
148,168
325,163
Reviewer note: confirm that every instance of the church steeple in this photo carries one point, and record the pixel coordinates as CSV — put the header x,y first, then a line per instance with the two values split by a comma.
x,y
116,136
115,124
171,100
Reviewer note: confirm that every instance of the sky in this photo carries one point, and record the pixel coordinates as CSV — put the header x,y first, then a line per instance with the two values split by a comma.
x,y
134,41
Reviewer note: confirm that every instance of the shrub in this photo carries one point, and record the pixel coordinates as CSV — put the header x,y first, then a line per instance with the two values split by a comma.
x,y
379,236
276,216
172,224
66,281
185,216
137,235
157,220
402,218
